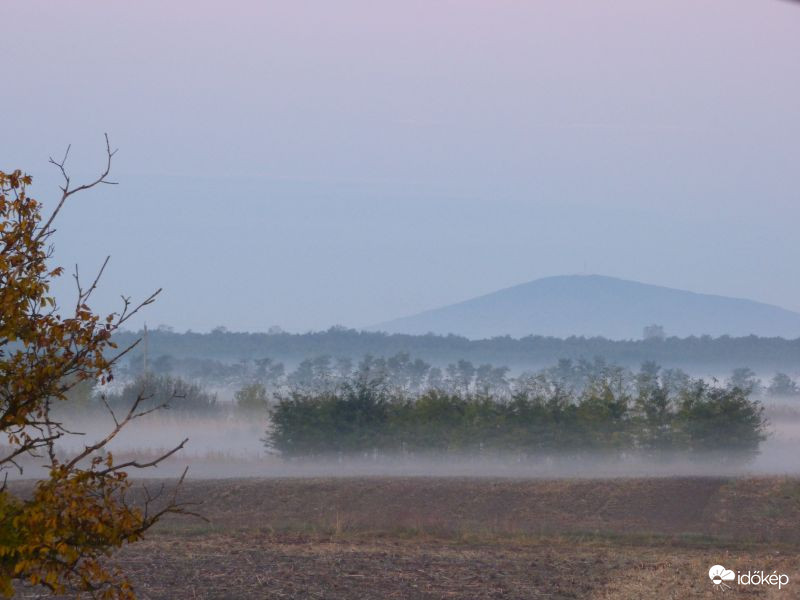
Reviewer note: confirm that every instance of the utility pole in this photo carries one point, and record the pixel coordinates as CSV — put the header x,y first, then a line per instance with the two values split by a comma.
x,y
144,340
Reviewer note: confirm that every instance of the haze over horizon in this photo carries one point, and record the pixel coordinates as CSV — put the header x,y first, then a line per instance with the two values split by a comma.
x,y
305,164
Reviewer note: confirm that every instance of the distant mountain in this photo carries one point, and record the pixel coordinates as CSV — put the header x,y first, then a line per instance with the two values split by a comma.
x,y
593,305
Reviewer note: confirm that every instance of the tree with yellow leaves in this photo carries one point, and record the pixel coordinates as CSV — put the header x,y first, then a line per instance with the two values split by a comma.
x,y
61,535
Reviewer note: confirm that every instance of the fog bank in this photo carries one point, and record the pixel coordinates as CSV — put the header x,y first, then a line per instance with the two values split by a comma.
x,y
232,447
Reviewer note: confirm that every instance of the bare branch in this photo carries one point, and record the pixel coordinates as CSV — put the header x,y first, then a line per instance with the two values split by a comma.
x,y
137,465
110,410
83,296
133,414
66,191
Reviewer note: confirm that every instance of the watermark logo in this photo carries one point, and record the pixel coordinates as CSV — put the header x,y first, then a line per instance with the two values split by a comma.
x,y
720,577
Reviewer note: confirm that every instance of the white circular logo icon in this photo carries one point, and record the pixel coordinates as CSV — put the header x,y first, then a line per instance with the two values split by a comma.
x,y
719,574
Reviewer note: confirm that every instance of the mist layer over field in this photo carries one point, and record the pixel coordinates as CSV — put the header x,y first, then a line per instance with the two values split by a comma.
x,y
232,446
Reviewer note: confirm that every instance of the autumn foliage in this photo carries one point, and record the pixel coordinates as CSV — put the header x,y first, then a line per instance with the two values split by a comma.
x,y
61,535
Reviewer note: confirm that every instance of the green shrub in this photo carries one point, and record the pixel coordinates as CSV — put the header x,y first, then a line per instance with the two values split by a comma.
x,y
720,420
604,417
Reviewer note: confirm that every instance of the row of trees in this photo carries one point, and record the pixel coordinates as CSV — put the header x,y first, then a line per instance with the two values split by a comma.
x,y
703,353
263,381
653,417
408,375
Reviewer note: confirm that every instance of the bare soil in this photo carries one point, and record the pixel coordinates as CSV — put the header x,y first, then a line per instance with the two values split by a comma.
x,y
415,538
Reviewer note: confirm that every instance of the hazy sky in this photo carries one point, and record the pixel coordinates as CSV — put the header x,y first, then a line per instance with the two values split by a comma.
x,y
307,163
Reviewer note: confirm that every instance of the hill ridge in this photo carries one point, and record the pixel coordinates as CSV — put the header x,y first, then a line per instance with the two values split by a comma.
x,y
598,305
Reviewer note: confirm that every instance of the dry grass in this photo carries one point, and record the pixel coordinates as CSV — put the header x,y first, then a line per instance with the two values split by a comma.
x,y
418,538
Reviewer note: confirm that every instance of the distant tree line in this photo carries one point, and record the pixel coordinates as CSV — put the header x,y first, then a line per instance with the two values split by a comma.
x,y
174,394
655,413
402,404
259,381
407,374
704,353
